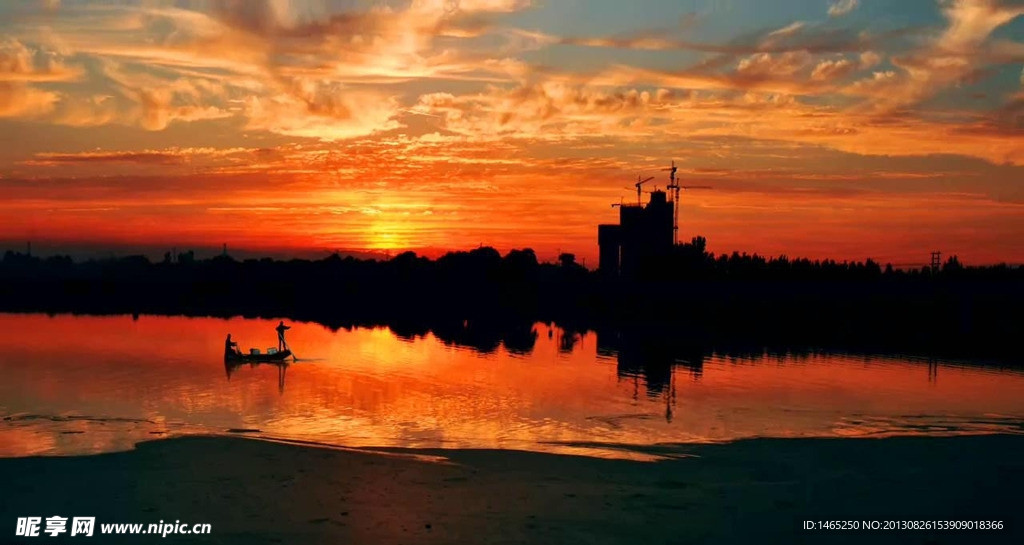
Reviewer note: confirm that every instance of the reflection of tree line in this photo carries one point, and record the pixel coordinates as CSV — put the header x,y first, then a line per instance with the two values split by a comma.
x,y
729,300
650,356
517,337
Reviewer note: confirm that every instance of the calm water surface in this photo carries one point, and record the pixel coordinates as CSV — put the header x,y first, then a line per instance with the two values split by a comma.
x,y
74,385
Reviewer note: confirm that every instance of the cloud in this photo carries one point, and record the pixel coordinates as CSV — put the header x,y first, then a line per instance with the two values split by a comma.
x,y
328,112
170,156
157,101
877,84
21,69
19,63
303,70
258,59
158,110
830,70
796,36
952,57
768,66
788,30
842,7
281,16
557,111
19,100
869,59
547,111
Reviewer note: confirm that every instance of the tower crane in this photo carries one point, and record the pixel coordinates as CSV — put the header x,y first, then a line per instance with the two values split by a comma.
x,y
639,183
675,187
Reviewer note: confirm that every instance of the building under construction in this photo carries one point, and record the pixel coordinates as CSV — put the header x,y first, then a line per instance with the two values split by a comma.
x,y
645,235
642,237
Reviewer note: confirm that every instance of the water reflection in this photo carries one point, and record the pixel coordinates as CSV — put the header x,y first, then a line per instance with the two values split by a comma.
x,y
282,367
653,357
484,337
92,384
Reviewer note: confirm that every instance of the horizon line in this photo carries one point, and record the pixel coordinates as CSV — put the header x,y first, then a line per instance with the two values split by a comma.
x,y
86,251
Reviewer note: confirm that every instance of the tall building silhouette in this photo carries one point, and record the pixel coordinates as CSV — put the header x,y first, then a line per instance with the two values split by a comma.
x,y
642,237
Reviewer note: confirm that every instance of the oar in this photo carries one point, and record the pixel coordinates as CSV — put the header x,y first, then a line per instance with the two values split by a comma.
x,y
288,348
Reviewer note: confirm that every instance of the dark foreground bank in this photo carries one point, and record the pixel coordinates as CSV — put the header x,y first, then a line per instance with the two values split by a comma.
x,y
744,492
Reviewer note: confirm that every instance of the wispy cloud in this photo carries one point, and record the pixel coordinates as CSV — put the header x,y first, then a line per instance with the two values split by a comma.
x,y
289,65
842,7
20,69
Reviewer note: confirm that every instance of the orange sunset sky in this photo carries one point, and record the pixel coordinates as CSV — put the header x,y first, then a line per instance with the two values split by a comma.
x,y
840,129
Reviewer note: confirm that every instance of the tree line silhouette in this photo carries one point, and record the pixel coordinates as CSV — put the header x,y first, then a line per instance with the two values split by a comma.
x,y
690,296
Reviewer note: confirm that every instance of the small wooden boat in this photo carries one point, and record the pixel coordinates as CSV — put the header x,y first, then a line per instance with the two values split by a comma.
x,y
240,357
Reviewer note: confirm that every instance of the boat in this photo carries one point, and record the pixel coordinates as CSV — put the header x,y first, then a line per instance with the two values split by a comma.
x,y
240,357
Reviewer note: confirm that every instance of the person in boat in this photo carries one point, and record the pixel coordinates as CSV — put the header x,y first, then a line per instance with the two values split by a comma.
x,y
280,335
230,347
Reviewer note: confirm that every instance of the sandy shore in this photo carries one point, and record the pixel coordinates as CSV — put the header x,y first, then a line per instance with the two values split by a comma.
x,y
749,491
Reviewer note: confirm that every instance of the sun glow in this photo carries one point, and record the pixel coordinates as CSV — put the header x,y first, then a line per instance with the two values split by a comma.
x,y
386,238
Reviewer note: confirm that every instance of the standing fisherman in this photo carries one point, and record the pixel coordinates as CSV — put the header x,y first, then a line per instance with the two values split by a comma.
x,y
281,345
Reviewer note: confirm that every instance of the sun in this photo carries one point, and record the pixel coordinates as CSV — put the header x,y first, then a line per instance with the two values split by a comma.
x,y
388,235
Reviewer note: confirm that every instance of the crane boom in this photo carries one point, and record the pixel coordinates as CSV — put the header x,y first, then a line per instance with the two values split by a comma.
x,y
639,183
675,187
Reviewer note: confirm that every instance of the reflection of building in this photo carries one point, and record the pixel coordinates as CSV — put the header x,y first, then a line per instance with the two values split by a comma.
x,y
650,356
642,237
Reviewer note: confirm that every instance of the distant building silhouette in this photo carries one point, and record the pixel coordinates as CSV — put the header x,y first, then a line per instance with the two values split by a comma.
x,y
642,237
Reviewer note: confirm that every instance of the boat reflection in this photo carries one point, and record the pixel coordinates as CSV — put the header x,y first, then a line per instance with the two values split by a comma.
x,y
232,365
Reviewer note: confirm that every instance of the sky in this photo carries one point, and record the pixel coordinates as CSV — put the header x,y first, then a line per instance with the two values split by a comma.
x,y
840,129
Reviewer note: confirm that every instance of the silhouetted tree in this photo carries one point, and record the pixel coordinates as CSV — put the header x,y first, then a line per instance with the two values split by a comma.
x,y
700,293
952,265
